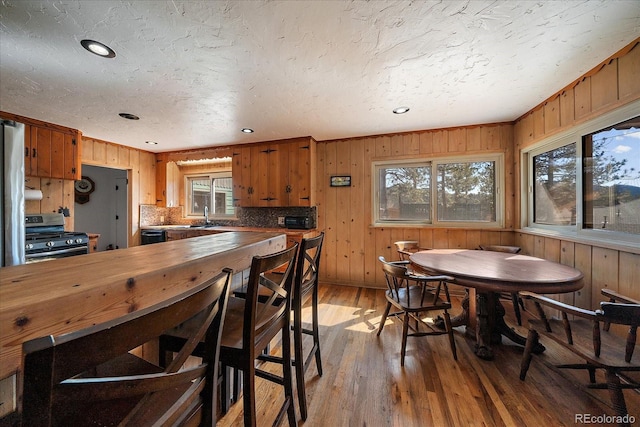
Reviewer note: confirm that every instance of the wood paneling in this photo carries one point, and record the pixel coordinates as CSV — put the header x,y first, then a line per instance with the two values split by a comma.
x,y
613,83
352,246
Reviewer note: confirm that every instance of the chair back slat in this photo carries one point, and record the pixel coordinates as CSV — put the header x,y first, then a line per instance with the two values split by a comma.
x,y
268,292
308,265
104,371
406,247
625,314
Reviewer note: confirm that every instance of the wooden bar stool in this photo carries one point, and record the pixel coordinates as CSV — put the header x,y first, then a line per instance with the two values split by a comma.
x,y
89,377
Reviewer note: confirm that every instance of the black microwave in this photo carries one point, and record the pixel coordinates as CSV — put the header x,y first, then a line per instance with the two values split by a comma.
x,y
298,222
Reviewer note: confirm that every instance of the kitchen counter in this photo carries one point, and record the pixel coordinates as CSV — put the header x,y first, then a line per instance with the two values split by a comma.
x,y
72,293
219,228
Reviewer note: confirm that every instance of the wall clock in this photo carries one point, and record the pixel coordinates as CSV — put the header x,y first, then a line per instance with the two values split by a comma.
x,y
84,187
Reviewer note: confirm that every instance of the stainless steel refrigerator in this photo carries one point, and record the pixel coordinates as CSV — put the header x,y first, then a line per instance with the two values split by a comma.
x,y
12,238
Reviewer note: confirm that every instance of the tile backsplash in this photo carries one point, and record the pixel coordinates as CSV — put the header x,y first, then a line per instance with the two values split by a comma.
x,y
247,217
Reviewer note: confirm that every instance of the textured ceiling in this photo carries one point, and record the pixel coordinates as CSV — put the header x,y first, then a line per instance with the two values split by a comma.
x,y
197,72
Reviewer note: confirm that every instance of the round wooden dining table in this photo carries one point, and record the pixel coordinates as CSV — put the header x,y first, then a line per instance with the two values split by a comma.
x,y
487,274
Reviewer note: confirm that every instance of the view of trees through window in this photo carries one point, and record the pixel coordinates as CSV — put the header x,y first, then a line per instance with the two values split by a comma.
x,y
612,178
405,193
465,191
555,186
610,181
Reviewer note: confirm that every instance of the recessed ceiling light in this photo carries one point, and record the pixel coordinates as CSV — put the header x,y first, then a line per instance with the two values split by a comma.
x,y
98,48
151,142
129,116
247,130
400,110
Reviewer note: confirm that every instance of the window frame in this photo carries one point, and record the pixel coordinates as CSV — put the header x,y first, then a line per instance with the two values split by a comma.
x,y
189,197
574,135
433,163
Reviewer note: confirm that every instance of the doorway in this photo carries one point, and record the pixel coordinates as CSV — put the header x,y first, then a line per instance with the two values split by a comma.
x,y
106,212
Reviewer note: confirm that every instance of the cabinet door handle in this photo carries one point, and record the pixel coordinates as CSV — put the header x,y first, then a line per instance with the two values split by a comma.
x,y
287,189
34,152
304,198
26,151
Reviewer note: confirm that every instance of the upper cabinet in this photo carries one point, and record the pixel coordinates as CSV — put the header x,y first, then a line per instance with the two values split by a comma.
x,y
276,174
50,151
167,183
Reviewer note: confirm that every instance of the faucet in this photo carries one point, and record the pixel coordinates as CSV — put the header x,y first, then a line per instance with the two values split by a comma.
x,y
206,214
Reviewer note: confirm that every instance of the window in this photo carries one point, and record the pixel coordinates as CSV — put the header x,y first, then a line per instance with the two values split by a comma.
x,y
554,189
214,191
465,192
611,159
586,182
405,192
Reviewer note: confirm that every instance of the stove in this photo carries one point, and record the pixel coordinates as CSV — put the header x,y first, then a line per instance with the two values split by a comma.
x,y
46,239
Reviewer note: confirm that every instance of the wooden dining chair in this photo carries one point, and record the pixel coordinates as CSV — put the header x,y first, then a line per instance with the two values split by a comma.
x,y
407,247
513,296
586,334
409,295
89,377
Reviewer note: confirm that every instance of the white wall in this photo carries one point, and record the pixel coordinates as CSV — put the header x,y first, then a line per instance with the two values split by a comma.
x,y
98,215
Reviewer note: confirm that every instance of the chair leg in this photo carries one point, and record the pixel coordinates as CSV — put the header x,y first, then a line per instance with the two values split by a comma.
x,y
515,298
287,375
532,341
248,396
405,331
615,393
384,318
228,382
449,329
316,332
299,360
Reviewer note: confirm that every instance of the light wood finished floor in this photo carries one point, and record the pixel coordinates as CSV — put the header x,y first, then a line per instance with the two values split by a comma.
x,y
364,385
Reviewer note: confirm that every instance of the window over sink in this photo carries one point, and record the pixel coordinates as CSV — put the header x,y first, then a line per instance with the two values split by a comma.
x,y
214,190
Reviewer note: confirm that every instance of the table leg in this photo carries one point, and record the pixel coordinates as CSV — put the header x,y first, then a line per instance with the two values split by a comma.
x,y
488,326
484,319
491,326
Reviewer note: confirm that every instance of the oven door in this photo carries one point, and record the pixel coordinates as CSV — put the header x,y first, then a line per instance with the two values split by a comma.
x,y
61,253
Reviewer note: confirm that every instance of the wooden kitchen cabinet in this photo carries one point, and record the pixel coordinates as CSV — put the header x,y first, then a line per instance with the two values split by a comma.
x,y
167,181
52,154
276,174
93,242
176,235
51,151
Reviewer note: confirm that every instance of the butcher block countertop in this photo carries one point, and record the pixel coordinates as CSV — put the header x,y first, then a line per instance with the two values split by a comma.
x,y
69,294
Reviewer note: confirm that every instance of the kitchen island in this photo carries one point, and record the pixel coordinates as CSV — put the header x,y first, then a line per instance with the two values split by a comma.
x,y
69,294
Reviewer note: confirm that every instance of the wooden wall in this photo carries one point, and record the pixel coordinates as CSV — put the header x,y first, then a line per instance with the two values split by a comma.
x,y
614,83
352,246
141,167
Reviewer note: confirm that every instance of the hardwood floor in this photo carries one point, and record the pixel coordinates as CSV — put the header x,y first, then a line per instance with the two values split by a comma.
x,y
364,385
